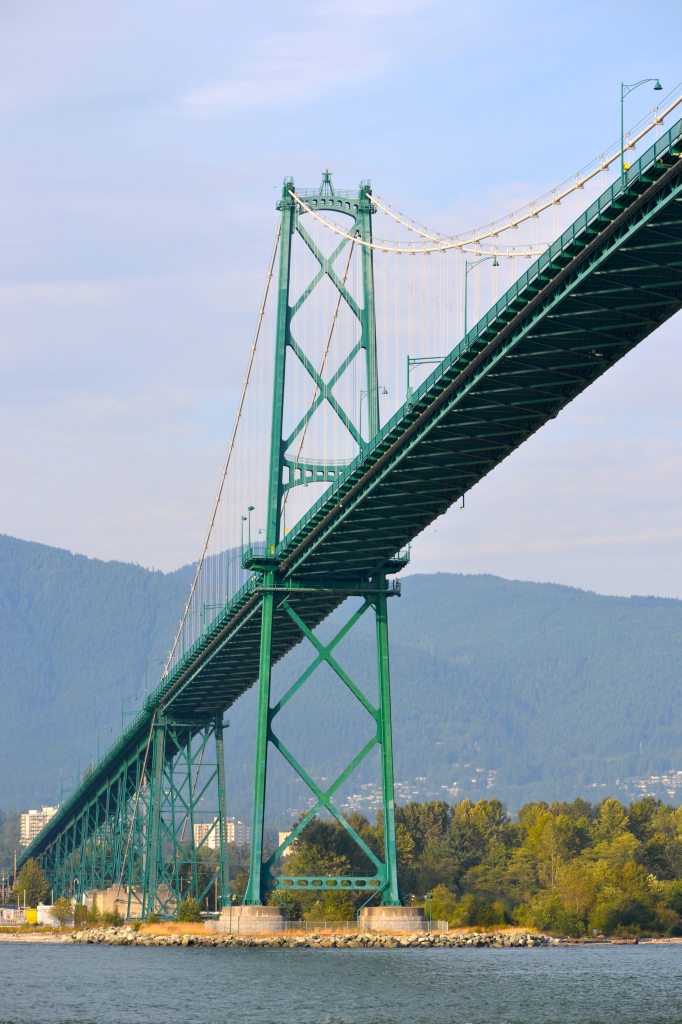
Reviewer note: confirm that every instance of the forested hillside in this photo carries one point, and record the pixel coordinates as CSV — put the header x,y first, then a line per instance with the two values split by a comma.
x,y
519,691
75,634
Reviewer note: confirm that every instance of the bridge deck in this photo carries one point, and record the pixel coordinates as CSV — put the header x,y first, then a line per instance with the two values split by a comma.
x,y
610,280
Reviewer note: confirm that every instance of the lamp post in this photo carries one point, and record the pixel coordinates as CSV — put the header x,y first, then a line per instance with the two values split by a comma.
x,y
469,266
625,89
365,394
67,778
418,361
134,697
249,511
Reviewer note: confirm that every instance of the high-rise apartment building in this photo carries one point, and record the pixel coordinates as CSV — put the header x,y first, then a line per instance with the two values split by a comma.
x,y
204,829
237,833
32,822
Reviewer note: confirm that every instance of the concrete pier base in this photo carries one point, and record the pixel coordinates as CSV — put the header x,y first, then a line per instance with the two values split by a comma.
x,y
248,920
393,919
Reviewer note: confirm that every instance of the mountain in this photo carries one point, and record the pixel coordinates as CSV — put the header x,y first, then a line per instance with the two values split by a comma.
x,y
501,688
75,634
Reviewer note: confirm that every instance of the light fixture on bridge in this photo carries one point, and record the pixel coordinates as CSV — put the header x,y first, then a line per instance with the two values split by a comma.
x,y
624,90
468,266
250,509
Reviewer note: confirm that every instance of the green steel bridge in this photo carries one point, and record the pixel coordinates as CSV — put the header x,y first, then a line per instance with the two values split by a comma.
x,y
599,289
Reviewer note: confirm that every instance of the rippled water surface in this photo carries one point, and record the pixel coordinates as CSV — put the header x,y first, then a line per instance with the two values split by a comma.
x,y
576,985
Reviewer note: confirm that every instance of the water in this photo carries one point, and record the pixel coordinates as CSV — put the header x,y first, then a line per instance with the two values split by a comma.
x,y
576,985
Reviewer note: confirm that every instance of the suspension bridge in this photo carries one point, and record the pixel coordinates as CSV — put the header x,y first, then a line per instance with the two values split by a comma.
x,y
360,422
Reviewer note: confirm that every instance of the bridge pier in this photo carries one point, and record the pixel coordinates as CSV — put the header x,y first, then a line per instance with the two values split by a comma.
x,y
247,920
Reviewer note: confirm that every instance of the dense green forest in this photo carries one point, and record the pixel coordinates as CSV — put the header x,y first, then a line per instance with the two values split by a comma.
x,y
568,867
501,689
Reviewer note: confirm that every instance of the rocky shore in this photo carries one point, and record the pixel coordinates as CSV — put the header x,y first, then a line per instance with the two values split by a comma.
x,y
127,936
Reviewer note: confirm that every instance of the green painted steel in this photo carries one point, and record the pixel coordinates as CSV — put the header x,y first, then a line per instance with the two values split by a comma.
x,y
254,889
286,472
136,832
177,864
611,279
385,878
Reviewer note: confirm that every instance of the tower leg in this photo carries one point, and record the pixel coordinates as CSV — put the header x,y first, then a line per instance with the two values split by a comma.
x,y
254,891
391,895
154,843
224,879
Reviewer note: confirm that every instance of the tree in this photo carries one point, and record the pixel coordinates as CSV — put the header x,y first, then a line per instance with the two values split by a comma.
x,y
32,885
62,911
613,820
188,910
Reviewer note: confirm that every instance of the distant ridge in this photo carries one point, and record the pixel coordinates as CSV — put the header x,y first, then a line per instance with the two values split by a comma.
x,y
500,688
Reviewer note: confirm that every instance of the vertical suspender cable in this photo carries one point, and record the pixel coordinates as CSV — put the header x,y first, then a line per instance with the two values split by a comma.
x,y
252,355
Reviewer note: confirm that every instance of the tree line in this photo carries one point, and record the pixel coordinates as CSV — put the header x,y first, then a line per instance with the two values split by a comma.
x,y
568,868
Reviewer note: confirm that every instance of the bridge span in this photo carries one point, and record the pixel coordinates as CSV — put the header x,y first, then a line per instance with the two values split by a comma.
x,y
609,280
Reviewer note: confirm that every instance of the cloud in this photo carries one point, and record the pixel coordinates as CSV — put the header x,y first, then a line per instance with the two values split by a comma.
x,y
340,49
290,66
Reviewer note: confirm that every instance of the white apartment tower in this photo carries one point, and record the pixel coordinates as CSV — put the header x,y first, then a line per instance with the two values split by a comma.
x,y
237,833
32,822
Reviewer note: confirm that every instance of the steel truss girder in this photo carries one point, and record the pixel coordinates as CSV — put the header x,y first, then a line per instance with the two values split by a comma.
x,y
483,362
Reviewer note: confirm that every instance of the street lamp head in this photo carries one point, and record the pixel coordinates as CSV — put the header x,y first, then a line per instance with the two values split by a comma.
x,y
251,508
495,263
658,87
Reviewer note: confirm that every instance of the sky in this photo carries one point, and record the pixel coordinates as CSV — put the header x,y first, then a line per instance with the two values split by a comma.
x,y
142,148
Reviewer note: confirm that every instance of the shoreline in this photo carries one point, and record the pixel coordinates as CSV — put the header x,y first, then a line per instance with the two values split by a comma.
x,y
128,936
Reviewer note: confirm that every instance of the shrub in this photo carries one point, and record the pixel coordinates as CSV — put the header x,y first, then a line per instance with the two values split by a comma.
x,y
112,917
549,913
473,910
80,915
94,915
620,914
62,911
188,910
443,904
332,906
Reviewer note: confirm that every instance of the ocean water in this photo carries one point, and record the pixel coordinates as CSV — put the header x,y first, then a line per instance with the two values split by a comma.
x,y
119,985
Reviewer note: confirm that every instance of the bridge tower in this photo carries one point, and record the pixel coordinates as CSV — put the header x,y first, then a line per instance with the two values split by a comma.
x,y
288,469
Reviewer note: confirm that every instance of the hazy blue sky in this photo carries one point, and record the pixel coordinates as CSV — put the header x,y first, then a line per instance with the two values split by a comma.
x,y
141,146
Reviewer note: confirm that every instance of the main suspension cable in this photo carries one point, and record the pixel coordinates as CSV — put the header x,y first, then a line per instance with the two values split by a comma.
x,y
470,242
